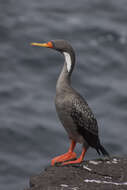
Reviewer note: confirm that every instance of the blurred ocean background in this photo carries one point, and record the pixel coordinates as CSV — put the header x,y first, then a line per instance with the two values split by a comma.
x,y
30,132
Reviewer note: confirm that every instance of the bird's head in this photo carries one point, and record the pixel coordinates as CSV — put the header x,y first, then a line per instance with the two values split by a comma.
x,y
59,45
63,47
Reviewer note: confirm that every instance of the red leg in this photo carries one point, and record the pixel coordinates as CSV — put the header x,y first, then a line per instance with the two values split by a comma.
x,y
67,156
79,160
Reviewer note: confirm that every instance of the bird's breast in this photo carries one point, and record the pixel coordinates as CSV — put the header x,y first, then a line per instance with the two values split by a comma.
x,y
63,108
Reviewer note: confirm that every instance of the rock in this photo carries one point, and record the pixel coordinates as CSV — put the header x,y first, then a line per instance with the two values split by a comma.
x,y
108,174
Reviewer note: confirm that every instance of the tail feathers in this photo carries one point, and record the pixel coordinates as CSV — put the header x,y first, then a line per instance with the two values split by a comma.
x,y
102,150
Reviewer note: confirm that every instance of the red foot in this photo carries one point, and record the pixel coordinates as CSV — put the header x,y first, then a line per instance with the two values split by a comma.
x,y
72,162
63,157
79,160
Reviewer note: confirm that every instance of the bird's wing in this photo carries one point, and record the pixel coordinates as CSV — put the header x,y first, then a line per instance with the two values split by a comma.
x,y
83,117
85,121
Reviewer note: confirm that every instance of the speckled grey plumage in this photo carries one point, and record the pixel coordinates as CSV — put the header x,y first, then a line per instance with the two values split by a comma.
x,y
73,111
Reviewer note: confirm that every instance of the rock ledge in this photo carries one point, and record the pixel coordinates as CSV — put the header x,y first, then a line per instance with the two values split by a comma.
x,y
93,175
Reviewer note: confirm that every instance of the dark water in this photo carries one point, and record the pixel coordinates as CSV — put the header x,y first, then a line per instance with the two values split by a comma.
x,y
30,132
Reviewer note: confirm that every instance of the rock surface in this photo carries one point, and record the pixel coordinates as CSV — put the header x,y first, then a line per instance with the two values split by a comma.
x,y
108,174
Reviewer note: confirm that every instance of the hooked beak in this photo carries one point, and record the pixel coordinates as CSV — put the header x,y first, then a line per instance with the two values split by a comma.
x,y
48,45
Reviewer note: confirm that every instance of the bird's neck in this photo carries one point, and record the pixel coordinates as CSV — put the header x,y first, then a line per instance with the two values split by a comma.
x,y
64,80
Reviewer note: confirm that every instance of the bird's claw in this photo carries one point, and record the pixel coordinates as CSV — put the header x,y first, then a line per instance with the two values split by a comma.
x,y
64,157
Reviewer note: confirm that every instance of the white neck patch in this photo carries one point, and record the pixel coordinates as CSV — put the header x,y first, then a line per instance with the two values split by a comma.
x,y
68,60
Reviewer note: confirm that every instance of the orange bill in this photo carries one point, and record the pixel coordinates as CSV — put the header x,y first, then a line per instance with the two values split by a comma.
x,y
48,45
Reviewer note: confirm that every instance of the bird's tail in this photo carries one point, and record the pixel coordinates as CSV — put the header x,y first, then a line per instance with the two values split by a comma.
x,y
102,150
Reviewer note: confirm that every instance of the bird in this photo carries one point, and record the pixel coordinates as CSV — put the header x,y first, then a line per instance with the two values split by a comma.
x,y
72,109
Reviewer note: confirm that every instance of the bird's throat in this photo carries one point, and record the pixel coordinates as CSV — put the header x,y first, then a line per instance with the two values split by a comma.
x,y
63,81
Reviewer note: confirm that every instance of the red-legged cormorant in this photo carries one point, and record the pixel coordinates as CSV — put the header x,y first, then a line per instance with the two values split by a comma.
x,y
72,109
